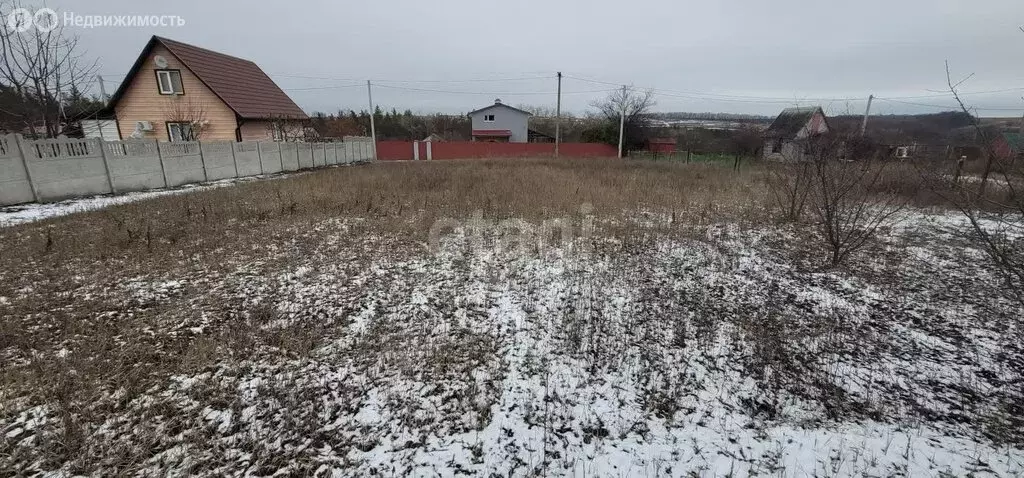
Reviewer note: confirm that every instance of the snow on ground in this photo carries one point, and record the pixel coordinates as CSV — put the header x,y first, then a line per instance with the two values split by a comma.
x,y
678,357
23,213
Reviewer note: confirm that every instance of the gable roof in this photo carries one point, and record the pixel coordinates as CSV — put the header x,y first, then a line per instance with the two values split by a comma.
x,y
239,83
498,104
792,120
1015,141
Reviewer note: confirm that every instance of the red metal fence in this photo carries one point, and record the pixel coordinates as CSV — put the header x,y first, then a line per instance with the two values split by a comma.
x,y
404,150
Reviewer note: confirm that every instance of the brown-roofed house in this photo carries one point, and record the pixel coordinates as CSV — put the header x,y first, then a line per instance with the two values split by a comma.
x,y
180,92
785,139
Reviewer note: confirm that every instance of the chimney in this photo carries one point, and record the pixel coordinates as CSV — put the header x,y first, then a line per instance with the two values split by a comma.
x,y
497,101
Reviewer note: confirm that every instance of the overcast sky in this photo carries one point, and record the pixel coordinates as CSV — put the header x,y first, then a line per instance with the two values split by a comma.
x,y
721,55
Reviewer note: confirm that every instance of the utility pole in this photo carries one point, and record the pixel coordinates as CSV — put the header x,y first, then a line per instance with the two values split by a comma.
x,y
622,120
864,125
373,127
558,115
103,88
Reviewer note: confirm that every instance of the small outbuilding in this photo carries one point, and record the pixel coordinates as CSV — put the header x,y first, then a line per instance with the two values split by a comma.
x,y
786,138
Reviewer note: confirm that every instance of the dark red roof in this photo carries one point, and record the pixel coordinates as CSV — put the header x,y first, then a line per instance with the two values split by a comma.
x,y
492,132
242,85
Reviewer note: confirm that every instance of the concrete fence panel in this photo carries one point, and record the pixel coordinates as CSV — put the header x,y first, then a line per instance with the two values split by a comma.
x,y
366,152
15,187
134,165
54,169
271,157
331,153
359,151
289,156
247,158
305,152
183,162
65,168
218,160
319,154
344,153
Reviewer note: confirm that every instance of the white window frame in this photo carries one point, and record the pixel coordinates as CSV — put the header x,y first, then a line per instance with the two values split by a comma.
x,y
161,75
179,126
486,120
903,152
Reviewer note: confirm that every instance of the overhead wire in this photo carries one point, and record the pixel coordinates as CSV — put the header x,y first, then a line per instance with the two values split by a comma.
x,y
666,92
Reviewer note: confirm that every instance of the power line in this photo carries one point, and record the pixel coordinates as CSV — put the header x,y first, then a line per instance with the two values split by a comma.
x,y
723,97
945,107
961,93
322,87
776,99
380,80
489,93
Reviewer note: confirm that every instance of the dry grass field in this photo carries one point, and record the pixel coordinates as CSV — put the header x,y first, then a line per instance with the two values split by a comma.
x,y
504,318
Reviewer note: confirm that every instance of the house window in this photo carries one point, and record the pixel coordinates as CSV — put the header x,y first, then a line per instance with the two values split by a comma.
x,y
902,152
488,118
180,132
777,146
169,82
277,132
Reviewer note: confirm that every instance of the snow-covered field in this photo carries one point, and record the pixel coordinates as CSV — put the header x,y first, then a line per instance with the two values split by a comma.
x,y
722,351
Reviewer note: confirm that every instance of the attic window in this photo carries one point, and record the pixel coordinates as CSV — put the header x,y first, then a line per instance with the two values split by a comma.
x,y
488,118
169,82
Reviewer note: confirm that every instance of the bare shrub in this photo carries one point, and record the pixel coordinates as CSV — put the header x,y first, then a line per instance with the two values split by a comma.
x,y
790,186
847,205
993,205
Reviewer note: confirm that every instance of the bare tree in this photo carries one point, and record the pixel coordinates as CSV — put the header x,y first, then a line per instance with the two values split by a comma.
x,y
790,185
189,115
845,198
848,205
995,215
635,105
286,128
745,143
43,65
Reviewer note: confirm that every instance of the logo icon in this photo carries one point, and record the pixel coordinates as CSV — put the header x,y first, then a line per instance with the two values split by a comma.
x,y
45,19
21,19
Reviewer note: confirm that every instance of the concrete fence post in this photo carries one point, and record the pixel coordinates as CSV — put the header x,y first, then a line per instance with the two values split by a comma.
x,y
234,159
160,155
430,152
415,150
24,163
102,145
259,156
202,160
280,155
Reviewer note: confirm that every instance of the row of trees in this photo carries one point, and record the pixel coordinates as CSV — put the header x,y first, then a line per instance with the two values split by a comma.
x,y
42,77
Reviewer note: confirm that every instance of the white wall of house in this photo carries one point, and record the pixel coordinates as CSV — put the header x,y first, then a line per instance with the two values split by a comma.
x,y
102,129
504,118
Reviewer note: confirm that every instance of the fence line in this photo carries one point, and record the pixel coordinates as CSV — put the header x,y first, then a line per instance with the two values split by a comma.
x,y
55,169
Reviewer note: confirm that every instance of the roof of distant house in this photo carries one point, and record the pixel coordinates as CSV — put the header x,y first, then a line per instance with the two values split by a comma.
x,y
792,120
492,132
498,103
1015,140
240,84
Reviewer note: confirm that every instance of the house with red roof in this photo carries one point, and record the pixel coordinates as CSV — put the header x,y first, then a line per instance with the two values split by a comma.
x,y
180,92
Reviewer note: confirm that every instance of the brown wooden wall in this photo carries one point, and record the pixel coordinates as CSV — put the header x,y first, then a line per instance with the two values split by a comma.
x,y
142,101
